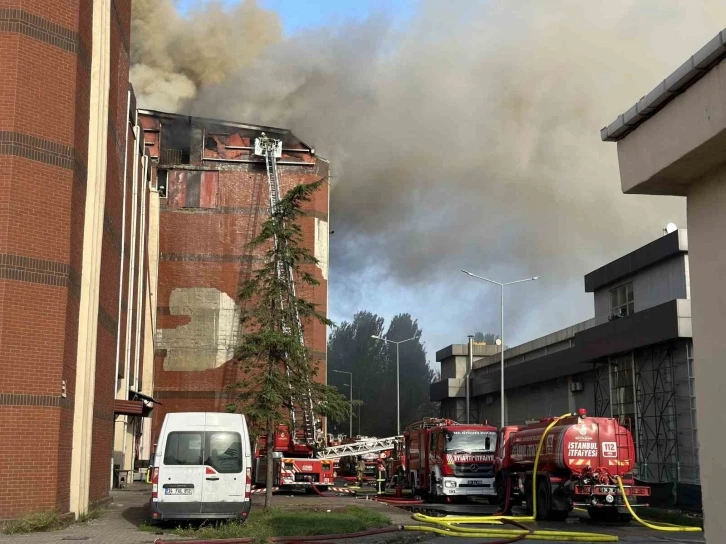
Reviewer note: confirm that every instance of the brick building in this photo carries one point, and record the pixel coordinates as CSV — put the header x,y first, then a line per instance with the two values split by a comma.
x,y
214,198
73,194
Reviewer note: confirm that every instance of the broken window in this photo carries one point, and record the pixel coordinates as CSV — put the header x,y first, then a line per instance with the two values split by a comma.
x,y
622,301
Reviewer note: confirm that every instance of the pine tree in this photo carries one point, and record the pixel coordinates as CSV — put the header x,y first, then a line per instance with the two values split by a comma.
x,y
278,367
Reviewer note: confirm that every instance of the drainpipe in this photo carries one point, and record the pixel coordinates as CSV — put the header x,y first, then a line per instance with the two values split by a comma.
x,y
140,287
123,245
469,364
132,264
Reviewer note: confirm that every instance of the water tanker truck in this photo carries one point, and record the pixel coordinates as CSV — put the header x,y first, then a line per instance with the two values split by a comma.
x,y
579,460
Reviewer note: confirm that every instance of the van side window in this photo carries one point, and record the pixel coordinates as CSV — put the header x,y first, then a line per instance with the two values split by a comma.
x,y
224,452
184,448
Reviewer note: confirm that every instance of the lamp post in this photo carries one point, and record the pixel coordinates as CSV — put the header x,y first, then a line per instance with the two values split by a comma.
x,y
501,336
358,388
398,388
350,432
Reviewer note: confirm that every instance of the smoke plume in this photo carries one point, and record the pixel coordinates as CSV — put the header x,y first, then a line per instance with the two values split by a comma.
x,y
468,137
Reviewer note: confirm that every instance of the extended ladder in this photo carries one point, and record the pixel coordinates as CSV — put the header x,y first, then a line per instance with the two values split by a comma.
x,y
271,149
360,448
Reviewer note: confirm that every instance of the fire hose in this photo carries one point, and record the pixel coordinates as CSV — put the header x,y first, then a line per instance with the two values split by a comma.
x,y
655,526
450,525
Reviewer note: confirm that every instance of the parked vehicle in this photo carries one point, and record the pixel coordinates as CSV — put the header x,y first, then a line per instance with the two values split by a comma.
x,y
202,467
294,465
445,458
578,462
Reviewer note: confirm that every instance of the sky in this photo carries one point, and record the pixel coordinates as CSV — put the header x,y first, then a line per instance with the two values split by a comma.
x,y
299,15
462,135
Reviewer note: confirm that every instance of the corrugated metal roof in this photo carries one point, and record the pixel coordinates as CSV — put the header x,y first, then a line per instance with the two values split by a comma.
x,y
681,79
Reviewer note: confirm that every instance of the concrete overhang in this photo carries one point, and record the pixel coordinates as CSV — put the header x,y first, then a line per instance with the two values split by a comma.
x,y
658,250
655,325
446,389
677,132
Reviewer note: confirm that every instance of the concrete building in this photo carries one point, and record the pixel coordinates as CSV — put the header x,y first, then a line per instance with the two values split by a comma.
x,y
633,360
671,142
70,303
214,198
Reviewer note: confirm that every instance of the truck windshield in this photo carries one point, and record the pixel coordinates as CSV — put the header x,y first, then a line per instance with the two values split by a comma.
x,y
471,441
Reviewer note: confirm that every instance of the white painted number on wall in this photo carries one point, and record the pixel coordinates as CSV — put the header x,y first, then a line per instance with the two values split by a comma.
x,y
609,449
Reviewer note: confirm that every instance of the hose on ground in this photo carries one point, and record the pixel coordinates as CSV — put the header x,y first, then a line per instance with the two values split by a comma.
x,y
451,525
651,525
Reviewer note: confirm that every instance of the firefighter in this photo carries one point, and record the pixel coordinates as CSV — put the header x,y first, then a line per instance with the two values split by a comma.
x,y
360,470
380,475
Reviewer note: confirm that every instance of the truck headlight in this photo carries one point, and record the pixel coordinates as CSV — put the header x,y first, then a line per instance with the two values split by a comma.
x,y
449,484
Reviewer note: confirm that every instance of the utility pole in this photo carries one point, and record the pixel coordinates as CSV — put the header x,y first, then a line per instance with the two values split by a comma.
x,y
469,366
398,387
501,338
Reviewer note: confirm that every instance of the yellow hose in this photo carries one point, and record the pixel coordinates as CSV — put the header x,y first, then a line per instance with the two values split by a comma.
x,y
656,526
448,525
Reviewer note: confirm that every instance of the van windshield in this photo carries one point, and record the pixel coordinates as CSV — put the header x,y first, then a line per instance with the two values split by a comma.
x,y
220,450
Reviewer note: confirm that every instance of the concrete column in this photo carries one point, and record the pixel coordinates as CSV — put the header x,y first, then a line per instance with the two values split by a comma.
x,y
707,252
92,241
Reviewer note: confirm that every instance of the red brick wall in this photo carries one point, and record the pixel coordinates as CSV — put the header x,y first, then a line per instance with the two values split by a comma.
x,y
44,52
205,248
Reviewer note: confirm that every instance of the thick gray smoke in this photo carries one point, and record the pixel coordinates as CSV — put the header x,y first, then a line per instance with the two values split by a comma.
x,y
466,138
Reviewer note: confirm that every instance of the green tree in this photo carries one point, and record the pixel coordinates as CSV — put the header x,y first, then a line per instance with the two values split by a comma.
x,y
416,375
278,368
373,364
351,349
488,338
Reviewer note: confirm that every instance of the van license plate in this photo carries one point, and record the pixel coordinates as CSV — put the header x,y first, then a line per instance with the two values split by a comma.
x,y
179,491
473,482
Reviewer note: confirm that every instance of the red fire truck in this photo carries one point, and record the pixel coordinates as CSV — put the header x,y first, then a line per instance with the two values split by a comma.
x,y
294,465
445,458
578,462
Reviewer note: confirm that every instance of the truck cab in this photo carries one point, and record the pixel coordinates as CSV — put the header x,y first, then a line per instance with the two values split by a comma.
x,y
461,459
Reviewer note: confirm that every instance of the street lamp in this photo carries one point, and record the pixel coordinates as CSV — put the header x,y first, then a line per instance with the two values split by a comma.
x,y
350,433
398,388
501,336
358,388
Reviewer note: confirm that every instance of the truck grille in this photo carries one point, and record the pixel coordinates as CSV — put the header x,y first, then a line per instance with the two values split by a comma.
x,y
474,470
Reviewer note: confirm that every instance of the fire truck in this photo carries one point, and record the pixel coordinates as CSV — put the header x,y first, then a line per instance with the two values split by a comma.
x,y
294,465
578,462
448,459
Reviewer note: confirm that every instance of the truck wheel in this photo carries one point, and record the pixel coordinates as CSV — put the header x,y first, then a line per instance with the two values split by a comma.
x,y
625,518
544,501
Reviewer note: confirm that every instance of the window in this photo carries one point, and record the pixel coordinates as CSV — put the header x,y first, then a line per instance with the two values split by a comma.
x,y
622,390
224,452
184,448
220,450
621,300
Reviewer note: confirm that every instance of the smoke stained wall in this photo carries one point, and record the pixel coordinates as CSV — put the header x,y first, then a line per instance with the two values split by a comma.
x,y
466,137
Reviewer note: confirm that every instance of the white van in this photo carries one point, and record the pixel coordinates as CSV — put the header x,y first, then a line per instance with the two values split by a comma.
x,y
202,467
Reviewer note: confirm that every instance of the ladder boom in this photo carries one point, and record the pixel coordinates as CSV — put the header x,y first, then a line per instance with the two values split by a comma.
x,y
271,149
360,448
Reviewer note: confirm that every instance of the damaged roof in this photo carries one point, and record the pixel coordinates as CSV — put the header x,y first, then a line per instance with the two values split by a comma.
x,y
282,133
681,79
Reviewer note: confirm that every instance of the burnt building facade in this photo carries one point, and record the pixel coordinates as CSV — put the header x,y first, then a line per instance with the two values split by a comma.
x,y
214,197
